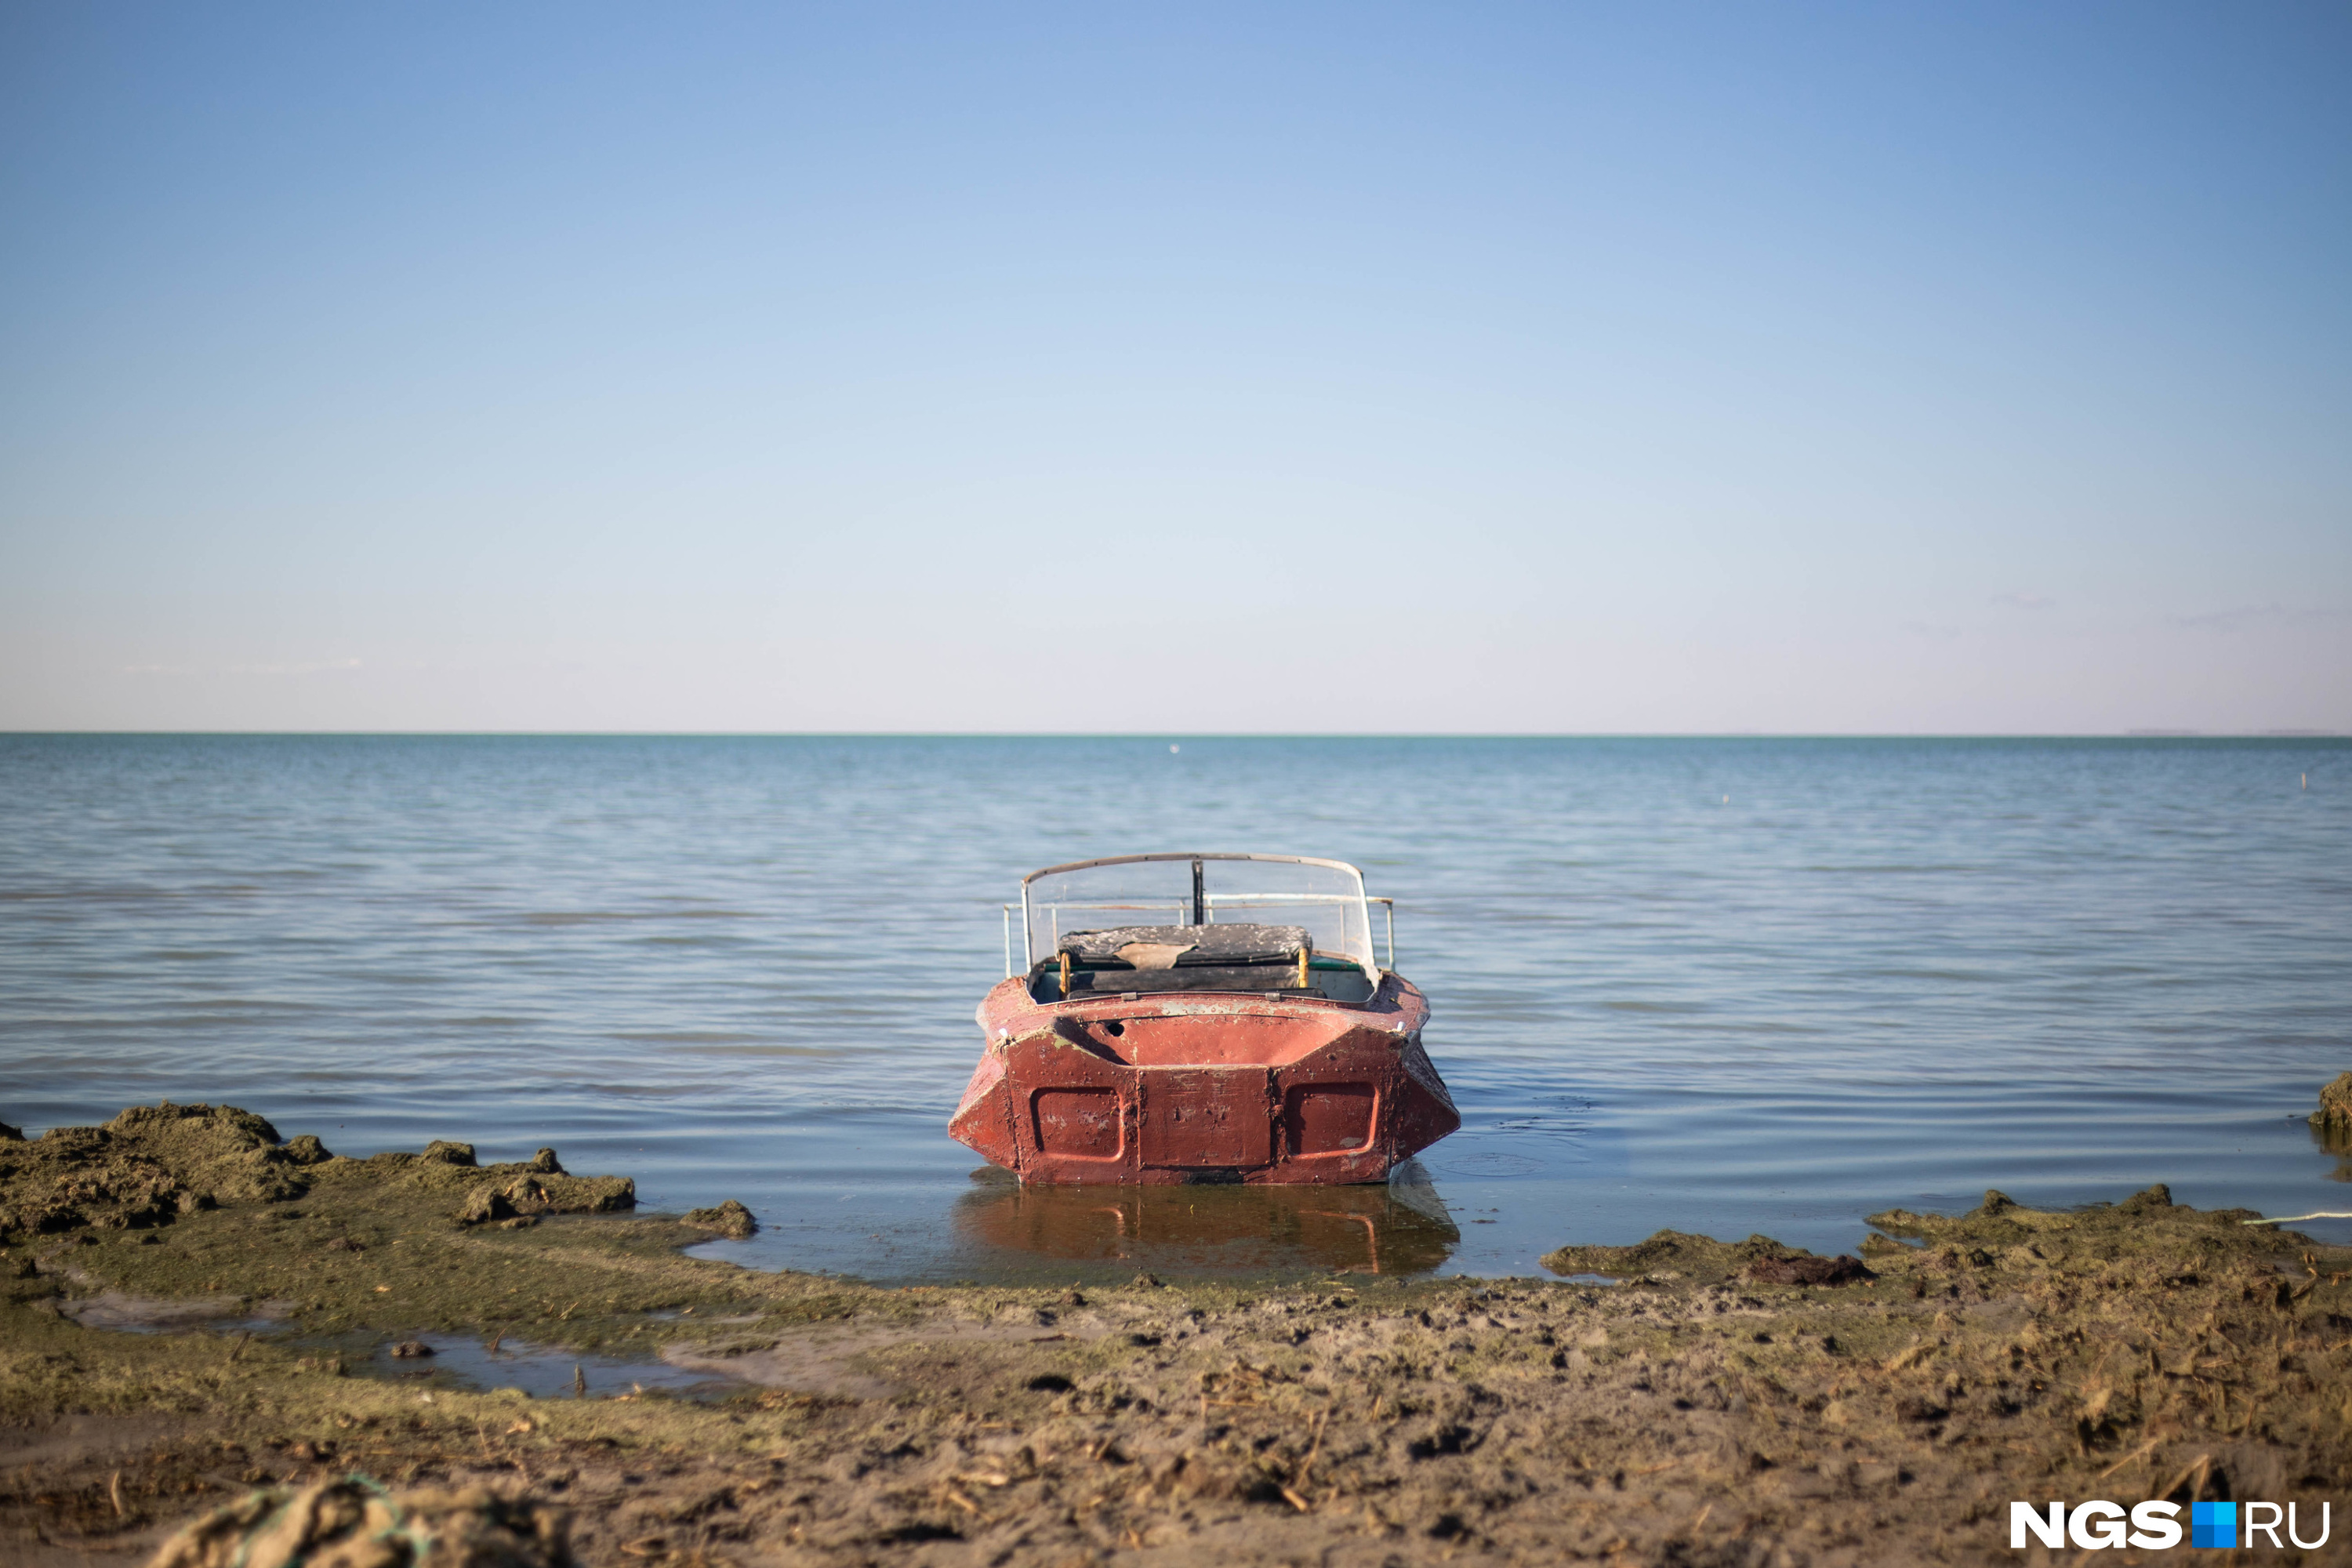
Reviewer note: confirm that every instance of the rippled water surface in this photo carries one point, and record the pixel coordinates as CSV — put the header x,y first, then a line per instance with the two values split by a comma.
x,y
1725,985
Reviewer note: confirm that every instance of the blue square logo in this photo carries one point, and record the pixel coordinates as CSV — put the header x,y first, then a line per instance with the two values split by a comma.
x,y
2213,1524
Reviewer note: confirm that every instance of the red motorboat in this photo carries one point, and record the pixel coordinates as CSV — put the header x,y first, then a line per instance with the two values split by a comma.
x,y
1201,1018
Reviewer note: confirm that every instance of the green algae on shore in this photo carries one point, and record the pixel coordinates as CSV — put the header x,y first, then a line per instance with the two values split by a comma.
x,y
153,1165
1701,1411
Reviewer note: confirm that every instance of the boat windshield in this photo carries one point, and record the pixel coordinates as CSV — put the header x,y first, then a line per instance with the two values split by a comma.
x,y
1325,897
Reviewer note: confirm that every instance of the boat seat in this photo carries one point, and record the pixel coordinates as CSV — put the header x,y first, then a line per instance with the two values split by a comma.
x,y
1203,977
1187,947
1235,956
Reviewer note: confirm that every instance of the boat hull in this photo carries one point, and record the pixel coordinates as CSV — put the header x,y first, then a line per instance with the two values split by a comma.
x,y
1171,1088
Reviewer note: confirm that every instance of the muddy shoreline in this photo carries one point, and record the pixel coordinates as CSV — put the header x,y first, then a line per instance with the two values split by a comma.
x,y
193,1308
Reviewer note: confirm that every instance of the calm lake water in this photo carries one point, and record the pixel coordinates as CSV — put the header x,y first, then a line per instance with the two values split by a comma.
x,y
1723,985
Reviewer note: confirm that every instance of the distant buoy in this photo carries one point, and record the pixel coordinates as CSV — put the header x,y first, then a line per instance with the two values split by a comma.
x,y
1173,749
1727,800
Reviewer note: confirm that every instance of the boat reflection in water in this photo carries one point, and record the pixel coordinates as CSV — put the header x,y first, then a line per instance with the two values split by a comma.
x,y
1399,1226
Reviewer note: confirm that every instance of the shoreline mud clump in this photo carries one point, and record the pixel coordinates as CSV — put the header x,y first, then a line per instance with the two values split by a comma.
x,y
148,1167
1676,1255
155,1165
1721,1404
2331,1124
355,1523
2336,1103
729,1219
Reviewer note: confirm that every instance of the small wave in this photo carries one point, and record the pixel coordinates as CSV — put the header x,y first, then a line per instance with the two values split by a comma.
x,y
1890,870
685,1036
1546,1126
1941,976
765,1050
1492,1163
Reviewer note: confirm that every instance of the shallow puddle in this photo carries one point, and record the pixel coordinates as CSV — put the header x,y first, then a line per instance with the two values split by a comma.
x,y
542,1372
142,1315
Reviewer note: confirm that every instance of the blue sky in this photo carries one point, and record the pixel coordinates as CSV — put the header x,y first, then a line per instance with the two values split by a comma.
x,y
1659,368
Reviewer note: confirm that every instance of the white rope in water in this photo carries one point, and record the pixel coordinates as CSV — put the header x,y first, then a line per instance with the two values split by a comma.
x,y
2294,1218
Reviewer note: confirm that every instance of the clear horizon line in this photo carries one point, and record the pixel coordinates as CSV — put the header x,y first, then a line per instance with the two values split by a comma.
x,y
1181,735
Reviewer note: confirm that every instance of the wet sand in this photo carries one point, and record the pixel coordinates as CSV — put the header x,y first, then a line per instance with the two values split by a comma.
x,y
195,1308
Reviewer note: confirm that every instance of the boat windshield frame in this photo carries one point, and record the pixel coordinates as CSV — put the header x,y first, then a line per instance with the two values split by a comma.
x,y
1042,922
